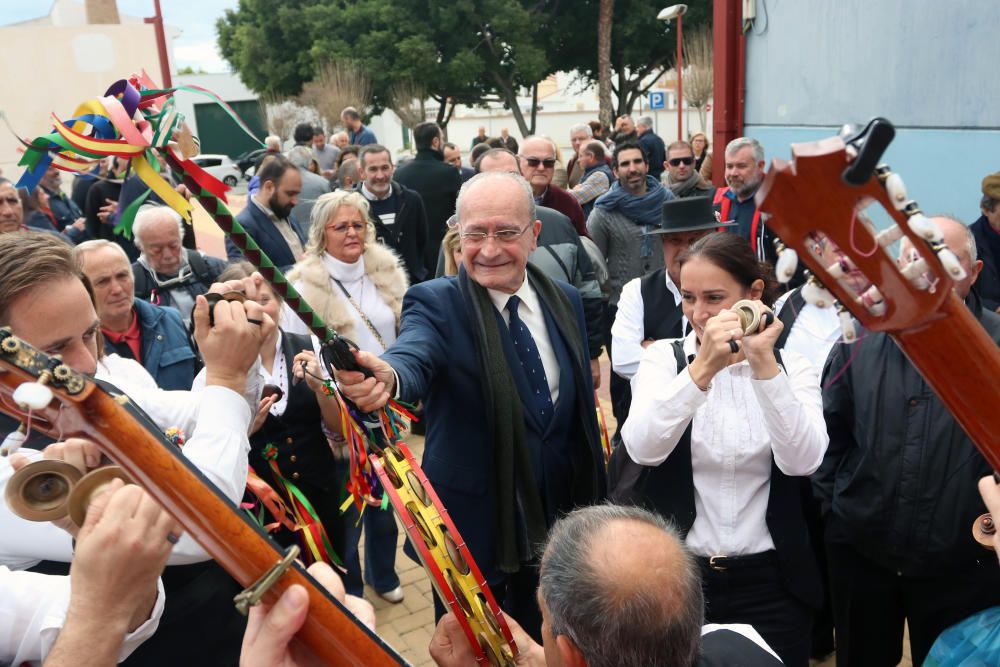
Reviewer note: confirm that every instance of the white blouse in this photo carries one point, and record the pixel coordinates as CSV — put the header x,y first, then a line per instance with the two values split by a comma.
x,y
738,427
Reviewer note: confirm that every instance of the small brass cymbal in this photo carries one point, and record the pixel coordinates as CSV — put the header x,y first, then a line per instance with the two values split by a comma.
x,y
40,491
88,487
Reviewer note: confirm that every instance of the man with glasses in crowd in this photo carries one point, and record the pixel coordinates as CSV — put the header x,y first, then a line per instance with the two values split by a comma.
x,y
681,176
499,354
538,164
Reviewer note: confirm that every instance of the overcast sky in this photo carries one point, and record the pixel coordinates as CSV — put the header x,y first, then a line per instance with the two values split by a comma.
x,y
196,19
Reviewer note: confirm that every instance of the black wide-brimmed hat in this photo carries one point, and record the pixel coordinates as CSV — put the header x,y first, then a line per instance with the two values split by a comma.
x,y
692,214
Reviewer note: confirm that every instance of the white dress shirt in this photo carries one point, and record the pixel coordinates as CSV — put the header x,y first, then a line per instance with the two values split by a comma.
x,y
33,610
217,445
814,332
738,427
530,312
628,330
278,373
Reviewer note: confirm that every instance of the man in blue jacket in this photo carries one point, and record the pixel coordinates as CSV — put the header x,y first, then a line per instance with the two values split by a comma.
x,y
499,356
152,335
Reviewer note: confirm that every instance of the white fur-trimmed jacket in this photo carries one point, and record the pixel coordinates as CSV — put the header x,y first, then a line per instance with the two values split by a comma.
x,y
383,268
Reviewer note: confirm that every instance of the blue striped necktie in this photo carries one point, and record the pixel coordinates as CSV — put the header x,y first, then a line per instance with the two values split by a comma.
x,y
531,361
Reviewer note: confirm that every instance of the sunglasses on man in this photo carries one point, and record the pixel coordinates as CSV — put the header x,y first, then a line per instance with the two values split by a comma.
x,y
535,161
678,161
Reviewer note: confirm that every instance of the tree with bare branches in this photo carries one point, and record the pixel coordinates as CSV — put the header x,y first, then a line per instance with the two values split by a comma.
x,y
408,100
283,114
698,70
337,85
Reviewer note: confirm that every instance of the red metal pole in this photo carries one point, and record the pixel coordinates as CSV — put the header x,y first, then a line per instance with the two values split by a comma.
x,y
727,112
161,45
680,82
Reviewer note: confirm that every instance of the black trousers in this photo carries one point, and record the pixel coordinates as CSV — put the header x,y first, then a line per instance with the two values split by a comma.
x,y
871,603
753,593
618,387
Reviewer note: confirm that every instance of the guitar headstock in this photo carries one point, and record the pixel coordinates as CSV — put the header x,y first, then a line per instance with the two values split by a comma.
x,y
824,204
32,381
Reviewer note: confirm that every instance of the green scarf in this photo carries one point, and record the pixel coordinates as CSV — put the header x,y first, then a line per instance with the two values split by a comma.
x,y
515,484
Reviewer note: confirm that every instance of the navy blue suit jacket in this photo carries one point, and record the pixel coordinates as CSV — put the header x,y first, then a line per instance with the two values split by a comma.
x,y
436,361
266,235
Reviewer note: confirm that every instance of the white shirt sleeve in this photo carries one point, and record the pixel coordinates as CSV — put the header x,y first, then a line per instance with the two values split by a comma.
x,y
663,403
627,331
33,610
792,403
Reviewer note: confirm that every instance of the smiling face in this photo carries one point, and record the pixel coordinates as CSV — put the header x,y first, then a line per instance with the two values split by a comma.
x,y
378,173
632,170
487,208
110,273
11,212
707,289
345,234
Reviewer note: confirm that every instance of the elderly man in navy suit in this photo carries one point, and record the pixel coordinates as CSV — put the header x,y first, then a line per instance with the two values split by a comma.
x,y
499,356
268,214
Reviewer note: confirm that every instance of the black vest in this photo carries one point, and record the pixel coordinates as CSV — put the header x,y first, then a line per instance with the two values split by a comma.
x,y
303,453
668,489
661,317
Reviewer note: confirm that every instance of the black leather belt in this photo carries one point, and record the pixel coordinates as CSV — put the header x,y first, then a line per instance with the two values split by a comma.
x,y
723,563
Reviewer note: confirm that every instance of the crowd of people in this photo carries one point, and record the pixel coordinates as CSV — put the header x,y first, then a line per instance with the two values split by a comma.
x,y
773,494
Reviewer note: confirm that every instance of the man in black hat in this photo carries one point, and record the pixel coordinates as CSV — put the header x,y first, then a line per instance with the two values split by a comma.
x,y
649,308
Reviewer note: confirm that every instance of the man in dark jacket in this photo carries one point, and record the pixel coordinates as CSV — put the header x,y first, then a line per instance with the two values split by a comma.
x,y
396,211
898,489
166,273
268,218
987,232
436,182
651,142
538,164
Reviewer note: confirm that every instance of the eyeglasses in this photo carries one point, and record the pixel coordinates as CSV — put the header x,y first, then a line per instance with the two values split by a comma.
x,y
535,161
678,161
342,229
500,236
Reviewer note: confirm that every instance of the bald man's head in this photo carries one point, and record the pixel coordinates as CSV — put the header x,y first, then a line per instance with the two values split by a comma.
x,y
959,239
620,585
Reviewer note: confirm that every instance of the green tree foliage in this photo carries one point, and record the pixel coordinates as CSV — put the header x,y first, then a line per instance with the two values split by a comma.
x,y
642,48
460,51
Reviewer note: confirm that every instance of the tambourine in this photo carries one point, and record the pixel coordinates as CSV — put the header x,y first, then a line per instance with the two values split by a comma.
x,y
456,578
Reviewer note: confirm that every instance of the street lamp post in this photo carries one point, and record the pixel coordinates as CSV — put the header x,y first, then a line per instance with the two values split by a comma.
x,y
668,14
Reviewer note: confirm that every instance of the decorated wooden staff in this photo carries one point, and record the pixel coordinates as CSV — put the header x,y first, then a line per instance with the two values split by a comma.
x,y
129,122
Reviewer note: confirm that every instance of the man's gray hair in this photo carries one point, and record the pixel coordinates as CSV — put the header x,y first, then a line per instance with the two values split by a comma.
x,y
323,211
372,149
151,213
645,121
654,619
741,142
272,142
301,157
497,176
581,127
350,112
87,247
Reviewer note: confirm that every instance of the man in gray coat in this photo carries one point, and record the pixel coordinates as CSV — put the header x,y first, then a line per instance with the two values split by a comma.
x,y
313,185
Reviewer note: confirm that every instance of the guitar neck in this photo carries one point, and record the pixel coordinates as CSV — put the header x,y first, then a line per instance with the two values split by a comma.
x,y
330,632
955,342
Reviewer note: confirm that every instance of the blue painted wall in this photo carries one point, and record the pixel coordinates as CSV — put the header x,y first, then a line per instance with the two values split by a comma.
x,y
932,67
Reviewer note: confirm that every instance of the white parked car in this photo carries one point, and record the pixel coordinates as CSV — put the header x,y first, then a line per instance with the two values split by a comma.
x,y
221,167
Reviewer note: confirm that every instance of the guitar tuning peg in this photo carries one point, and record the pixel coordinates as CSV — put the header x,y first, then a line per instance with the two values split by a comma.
x,y
873,300
889,235
916,273
788,261
814,293
910,208
848,332
13,441
32,396
925,228
896,189
883,171
950,262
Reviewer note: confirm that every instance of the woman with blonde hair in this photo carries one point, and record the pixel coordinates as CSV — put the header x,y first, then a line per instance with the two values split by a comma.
x,y
356,286
451,246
